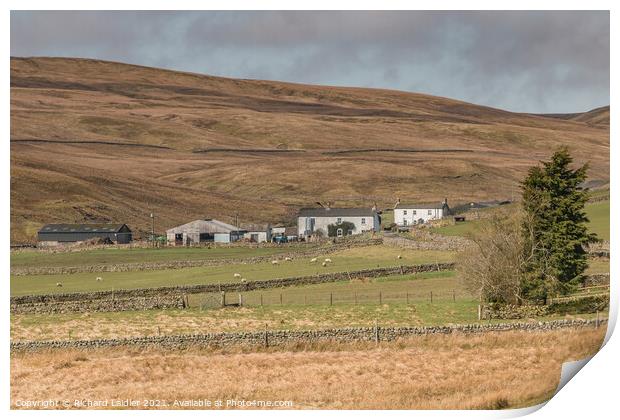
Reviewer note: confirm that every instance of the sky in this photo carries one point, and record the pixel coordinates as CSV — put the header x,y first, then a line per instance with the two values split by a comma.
x,y
537,61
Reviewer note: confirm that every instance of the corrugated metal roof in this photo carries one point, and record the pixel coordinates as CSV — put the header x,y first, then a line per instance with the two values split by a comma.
x,y
81,227
335,212
205,226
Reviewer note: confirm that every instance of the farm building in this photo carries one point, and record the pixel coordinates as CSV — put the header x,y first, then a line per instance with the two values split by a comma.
x,y
414,214
204,230
54,234
257,233
337,222
279,232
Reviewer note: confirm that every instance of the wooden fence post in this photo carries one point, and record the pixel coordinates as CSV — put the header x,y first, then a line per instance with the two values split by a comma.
x,y
431,296
266,336
453,295
479,312
280,298
240,300
223,298
331,299
376,332
261,299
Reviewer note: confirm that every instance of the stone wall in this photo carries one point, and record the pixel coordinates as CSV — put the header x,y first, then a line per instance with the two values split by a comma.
x,y
427,241
561,306
274,338
102,305
55,301
596,280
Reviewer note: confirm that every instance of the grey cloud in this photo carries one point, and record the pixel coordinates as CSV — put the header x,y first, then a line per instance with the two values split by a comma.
x,y
523,61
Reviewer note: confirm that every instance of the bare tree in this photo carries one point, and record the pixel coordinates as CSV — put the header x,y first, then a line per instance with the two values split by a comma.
x,y
492,267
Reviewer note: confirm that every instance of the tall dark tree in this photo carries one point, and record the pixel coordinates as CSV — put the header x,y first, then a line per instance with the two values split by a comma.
x,y
554,227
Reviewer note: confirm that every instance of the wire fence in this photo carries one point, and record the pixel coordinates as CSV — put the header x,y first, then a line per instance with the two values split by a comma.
x,y
257,299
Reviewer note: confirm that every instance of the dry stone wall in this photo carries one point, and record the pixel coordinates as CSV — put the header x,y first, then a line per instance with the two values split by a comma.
x,y
428,241
274,338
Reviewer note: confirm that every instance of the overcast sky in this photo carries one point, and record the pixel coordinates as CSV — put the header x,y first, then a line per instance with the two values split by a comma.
x,y
519,61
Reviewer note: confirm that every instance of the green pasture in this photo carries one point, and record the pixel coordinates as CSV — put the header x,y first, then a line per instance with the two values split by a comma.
x,y
33,258
599,215
347,260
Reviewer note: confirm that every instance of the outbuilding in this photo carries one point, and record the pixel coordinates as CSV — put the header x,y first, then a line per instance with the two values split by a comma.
x,y
54,234
204,230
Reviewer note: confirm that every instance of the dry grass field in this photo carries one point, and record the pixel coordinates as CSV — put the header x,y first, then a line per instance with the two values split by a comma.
x,y
94,140
489,371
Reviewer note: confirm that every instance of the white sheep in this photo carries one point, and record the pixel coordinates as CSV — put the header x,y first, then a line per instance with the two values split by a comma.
x,y
313,260
288,259
58,284
243,280
236,275
275,262
98,279
328,260
400,257
324,264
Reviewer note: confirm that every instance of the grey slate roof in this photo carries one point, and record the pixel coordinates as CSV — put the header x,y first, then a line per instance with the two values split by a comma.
x,y
82,228
335,212
439,205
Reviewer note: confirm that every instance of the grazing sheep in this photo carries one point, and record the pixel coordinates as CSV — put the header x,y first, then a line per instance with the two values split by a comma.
x,y
324,264
275,262
313,260
98,279
328,260
58,284
243,280
237,275
400,257
288,259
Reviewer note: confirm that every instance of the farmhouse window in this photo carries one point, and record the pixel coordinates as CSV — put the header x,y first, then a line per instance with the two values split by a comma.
x,y
363,220
430,212
404,212
339,220
414,213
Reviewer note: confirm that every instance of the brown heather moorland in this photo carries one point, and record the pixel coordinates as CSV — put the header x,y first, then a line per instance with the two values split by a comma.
x,y
489,371
103,141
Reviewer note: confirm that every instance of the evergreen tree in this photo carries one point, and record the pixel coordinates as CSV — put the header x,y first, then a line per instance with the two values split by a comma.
x,y
554,227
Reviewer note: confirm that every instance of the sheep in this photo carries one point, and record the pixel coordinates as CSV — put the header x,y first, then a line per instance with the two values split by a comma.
x,y
243,280
328,260
98,279
288,259
324,264
236,275
275,262
313,260
400,257
58,284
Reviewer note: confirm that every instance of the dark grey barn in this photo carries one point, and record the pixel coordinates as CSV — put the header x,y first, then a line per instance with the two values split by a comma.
x,y
64,232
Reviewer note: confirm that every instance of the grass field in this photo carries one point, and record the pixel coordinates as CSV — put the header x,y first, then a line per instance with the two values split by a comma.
x,y
28,258
599,214
456,371
303,307
346,260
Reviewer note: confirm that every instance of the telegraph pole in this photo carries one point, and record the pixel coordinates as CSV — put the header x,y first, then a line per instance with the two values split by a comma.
x,y
153,229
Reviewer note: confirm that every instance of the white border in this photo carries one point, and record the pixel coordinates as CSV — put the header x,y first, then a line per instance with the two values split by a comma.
x,y
591,395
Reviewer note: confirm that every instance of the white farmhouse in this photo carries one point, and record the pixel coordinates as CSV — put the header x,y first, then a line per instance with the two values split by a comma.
x,y
414,214
313,221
